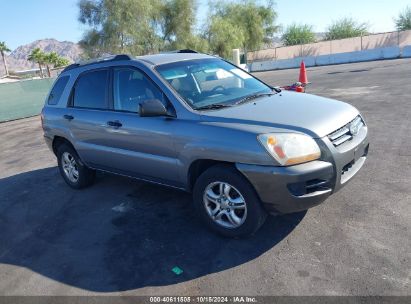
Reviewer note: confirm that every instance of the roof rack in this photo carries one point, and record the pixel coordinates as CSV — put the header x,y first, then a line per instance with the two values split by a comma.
x,y
181,51
98,60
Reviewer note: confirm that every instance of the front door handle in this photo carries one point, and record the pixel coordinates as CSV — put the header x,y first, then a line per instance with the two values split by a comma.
x,y
115,124
68,117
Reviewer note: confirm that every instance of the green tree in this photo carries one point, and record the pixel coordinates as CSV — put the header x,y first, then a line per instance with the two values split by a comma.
x,y
49,59
403,22
4,49
61,62
177,22
224,36
177,25
346,28
120,26
38,57
55,60
298,34
256,22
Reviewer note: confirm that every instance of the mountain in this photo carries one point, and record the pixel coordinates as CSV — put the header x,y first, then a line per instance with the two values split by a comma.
x,y
17,59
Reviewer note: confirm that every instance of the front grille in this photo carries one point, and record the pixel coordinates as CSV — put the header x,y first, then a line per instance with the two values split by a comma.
x,y
347,132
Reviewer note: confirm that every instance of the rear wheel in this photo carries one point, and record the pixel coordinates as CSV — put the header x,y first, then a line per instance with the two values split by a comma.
x,y
74,171
227,202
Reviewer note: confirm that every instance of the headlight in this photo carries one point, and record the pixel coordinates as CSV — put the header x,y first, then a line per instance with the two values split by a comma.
x,y
290,148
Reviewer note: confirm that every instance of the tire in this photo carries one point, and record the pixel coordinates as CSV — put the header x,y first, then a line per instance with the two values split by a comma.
x,y
216,209
80,176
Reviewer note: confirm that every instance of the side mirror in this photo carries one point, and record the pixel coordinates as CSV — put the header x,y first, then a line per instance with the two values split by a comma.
x,y
153,107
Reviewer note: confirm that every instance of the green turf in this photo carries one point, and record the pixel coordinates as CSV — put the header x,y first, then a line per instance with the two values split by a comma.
x,y
24,98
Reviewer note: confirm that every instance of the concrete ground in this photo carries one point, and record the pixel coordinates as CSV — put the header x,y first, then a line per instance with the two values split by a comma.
x,y
123,236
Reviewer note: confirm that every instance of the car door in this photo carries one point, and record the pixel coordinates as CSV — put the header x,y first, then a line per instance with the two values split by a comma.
x,y
141,146
86,116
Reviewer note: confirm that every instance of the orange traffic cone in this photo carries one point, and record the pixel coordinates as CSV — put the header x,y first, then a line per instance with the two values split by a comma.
x,y
300,89
303,74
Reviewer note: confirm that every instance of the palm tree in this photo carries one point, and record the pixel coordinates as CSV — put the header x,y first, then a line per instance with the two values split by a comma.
x,y
56,60
4,49
50,58
38,57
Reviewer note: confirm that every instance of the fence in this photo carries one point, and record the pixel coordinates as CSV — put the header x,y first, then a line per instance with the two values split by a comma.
x,y
23,98
374,41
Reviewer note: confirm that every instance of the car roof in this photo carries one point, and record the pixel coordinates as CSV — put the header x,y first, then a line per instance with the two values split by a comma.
x,y
155,59
164,58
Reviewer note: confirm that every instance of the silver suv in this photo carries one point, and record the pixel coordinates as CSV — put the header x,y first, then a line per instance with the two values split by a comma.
x,y
198,123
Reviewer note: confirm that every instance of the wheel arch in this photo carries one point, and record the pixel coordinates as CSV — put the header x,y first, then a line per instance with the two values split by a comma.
x,y
198,166
58,141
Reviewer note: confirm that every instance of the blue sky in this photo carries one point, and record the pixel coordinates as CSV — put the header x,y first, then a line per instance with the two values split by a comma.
x,y
29,20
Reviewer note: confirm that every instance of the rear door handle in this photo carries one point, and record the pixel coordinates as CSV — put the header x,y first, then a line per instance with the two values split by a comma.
x,y
115,124
68,117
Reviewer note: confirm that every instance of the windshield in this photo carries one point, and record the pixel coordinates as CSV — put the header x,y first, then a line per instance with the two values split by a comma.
x,y
207,82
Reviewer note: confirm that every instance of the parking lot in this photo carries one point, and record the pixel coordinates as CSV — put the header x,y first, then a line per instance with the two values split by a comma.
x,y
123,236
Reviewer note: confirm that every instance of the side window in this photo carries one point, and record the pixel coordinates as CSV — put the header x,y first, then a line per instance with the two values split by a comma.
x,y
57,90
90,90
131,87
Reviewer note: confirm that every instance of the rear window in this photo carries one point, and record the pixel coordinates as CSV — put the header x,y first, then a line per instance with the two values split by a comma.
x,y
90,90
57,90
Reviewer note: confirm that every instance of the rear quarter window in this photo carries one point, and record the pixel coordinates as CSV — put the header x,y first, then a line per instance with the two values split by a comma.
x,y
57,90
90,90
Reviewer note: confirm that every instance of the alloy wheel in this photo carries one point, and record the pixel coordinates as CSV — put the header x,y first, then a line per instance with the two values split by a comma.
x,y
225,205
70,167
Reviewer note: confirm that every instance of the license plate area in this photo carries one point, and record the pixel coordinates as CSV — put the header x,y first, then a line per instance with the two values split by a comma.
x,y
347,167
360,151
352,167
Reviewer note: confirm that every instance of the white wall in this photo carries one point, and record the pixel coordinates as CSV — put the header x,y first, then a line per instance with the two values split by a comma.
x,y
348,57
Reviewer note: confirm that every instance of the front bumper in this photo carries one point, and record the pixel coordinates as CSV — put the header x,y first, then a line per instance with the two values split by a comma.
x,y
296,188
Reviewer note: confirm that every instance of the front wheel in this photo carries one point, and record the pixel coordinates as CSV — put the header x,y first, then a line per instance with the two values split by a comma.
x,y
227,202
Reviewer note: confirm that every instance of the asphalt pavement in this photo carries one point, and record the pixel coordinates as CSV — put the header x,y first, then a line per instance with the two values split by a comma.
x,y
123,236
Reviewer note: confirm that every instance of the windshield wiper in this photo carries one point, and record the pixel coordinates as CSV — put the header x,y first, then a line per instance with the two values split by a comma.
x,y
213,106
242,100
253,96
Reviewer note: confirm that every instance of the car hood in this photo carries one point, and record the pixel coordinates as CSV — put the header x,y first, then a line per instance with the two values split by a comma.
x,y
315,115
